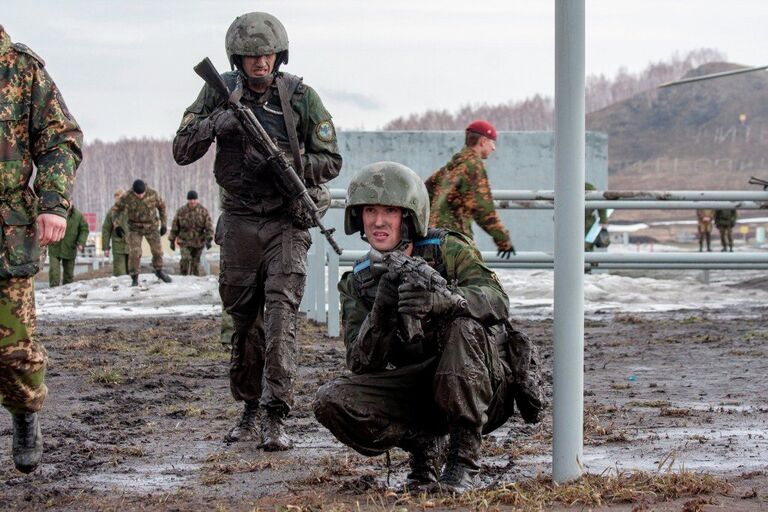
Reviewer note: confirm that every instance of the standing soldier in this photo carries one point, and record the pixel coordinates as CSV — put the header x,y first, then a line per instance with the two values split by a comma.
x,y
119,245
63,253
704,227
263,235
460,192
191,229
36,128
142,206
589,219
725,220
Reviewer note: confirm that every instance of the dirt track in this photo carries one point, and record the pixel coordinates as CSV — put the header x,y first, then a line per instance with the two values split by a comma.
x,y
137,411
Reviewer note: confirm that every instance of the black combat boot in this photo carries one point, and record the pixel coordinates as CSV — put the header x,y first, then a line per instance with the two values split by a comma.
x,y
163,276
27,442
462,466
246,429
134,279
426,458
273,436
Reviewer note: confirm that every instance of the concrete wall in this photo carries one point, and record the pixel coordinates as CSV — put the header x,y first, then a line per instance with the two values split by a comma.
x,y
522,160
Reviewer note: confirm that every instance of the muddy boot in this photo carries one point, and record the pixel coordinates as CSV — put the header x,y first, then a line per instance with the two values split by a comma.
x,y
27,442
163,276
426,458
134,279
246,429
462,466
273,436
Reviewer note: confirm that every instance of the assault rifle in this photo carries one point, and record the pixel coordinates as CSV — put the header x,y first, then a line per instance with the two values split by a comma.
x,y
413,269
258,136
757,181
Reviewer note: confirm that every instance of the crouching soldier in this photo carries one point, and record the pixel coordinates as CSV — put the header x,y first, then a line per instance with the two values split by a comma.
x,y
405,390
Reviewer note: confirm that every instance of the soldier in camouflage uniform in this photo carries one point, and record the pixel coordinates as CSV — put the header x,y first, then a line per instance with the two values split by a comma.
x,y
63,253
142,205
589,219
35,128
704,219
725,220
459,192
263,240
410,394
119,244
191,230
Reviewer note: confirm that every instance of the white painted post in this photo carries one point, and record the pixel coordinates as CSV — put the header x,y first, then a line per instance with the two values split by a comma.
x,y
568,407
309,283
319,277
333,294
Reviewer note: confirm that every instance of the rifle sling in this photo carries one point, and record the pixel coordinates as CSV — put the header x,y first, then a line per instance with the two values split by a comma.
x,y
290,123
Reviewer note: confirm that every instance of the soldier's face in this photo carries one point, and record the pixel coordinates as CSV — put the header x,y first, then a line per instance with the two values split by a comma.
x,y
487,146
192,202
257,67
381,225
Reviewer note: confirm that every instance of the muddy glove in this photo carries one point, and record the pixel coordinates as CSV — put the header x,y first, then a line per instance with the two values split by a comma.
x,y
163,230
120,232
418,302
506,249
172,243
225,123
385,303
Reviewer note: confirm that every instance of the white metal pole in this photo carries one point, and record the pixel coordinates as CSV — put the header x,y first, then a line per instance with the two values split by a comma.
x,y
319,277
333,294
568,406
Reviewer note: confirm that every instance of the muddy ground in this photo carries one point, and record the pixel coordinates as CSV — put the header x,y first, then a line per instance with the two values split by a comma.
x,y
138,409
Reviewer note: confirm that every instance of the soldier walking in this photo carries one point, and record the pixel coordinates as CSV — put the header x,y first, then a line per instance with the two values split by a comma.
x,y
704,218
459,191
263,235
142,205
63,253
725,220
37,129
119,243
191,230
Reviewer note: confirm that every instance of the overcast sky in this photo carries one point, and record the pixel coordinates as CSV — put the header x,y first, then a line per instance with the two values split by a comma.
x,y
125,67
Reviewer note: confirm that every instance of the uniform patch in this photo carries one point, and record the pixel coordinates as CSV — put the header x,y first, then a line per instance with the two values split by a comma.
x,y
187,119
325,131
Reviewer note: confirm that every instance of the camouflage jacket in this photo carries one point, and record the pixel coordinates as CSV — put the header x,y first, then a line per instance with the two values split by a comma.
x,y
119,244
460,192
191,226
75,235
589,213
725,218
371,348
142,212
242,192
705,216
35,127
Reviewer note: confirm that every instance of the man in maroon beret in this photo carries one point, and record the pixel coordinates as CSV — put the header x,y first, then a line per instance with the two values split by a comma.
x,y
459,192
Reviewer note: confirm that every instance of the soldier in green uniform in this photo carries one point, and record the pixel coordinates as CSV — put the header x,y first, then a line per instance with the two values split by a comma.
x,y
589,219
459,191
191,230
142,205
263,238
35,128
63,253
119,245
725,220
410,394
704,219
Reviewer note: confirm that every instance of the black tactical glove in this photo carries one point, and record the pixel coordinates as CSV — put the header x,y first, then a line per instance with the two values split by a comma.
x,y
120,232
257,163
163,230
418,302
386,292
506,249
225,123
172,244
208,244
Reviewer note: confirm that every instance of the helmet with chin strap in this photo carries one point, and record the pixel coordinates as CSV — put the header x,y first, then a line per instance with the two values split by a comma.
x,y
388,184
255,34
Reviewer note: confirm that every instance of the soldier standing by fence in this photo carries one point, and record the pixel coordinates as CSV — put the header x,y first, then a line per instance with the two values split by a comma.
x,y
725,220
704,218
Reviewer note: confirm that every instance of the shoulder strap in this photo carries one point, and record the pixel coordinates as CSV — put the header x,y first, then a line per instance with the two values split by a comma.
x,y
20,47
285,91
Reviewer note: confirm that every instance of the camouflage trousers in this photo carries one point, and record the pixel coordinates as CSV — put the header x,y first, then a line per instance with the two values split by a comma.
x,y
464,385
190,261
55,271
22,360
119,264
134,251
726,236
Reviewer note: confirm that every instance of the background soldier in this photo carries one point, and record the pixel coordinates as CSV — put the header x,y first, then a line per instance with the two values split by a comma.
x,y
460,192
191,229
37,129
704,227
589,219
263,238
454,380
142,206
119,245
63,253
725,220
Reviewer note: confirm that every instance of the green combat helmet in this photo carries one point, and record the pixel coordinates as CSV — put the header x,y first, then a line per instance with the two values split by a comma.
x,y
254,34
390,184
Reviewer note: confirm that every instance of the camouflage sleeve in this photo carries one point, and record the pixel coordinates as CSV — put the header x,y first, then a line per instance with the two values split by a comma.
x,y
484,212
367,347
162,211
486,300
603,214
106,231
82,231
208,227
195,134
321,159
118,209
56,144
174,228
